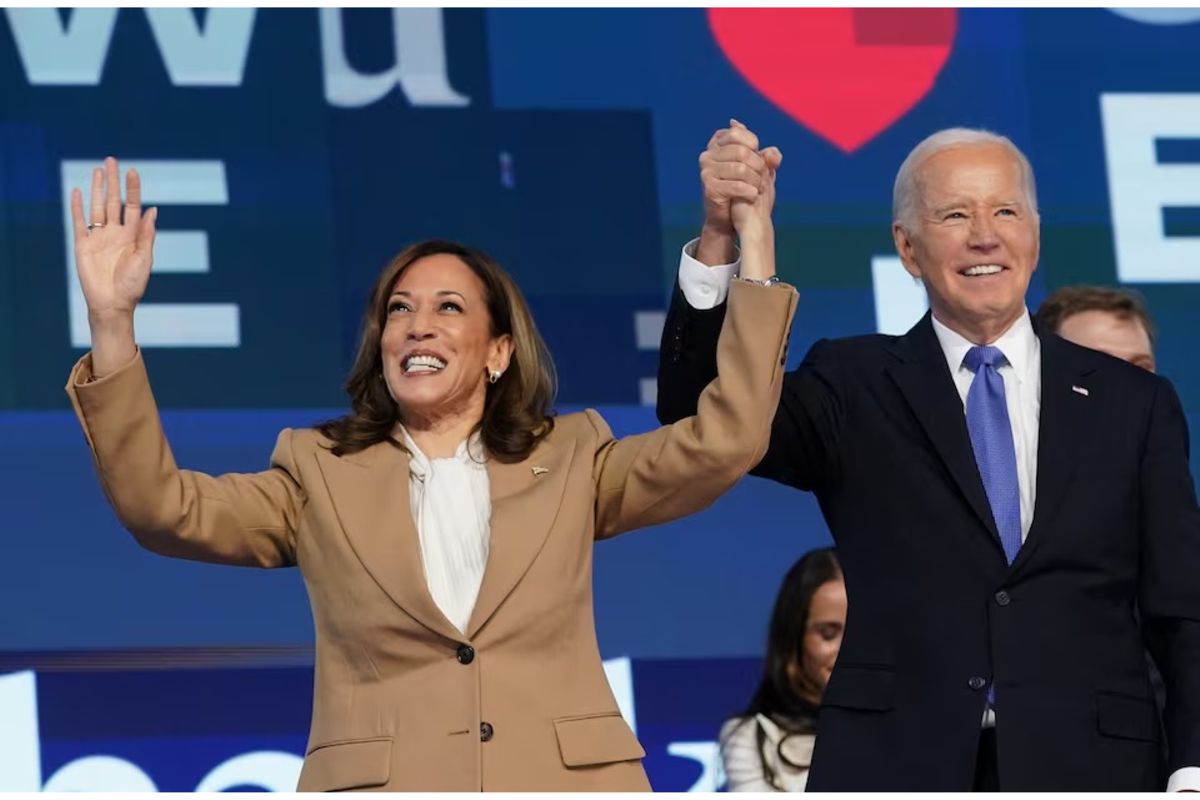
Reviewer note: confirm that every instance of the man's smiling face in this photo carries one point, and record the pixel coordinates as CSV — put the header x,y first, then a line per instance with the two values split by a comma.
x,y
973,240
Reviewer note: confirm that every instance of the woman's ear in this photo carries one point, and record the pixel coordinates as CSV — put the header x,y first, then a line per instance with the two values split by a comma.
x,y
500,352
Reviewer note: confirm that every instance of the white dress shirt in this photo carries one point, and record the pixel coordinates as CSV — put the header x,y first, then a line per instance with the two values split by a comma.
x,y
706,287
452,509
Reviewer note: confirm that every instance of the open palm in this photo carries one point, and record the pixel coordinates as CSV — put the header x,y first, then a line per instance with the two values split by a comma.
x,y
114,252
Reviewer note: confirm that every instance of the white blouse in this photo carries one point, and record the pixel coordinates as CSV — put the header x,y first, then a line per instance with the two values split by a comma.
x,y
452,509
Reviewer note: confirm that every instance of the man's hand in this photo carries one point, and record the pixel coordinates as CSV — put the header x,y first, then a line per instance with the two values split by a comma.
x,y
732,168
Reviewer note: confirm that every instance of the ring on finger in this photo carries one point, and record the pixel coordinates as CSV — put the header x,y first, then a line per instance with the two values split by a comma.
x,y
94,225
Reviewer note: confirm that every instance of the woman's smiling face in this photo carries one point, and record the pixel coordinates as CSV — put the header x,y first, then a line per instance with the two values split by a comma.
x,y
437,342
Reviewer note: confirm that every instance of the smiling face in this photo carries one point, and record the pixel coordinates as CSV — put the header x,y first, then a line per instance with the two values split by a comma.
x,y
973,240
437,344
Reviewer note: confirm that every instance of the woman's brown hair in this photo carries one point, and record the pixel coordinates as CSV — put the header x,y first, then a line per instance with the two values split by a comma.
x,y
518,409
777,697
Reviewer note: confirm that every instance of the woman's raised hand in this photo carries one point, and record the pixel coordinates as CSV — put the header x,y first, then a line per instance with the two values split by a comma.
x,y
751,218
113,251
113,254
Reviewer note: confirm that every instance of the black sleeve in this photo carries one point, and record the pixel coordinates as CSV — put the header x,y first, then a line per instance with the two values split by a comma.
x,y
804,434
687,357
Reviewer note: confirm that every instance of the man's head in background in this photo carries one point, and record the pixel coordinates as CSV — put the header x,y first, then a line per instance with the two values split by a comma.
x,y
1113,321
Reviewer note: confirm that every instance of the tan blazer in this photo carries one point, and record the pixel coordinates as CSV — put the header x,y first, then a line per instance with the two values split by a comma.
x,y
402,699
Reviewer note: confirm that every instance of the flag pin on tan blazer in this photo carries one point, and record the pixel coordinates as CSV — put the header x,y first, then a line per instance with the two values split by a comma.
x,y
537,471
1079,390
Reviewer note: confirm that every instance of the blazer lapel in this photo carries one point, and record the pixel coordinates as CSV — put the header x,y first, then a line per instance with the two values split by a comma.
x,y
1065,418
369,490
925,381
525,500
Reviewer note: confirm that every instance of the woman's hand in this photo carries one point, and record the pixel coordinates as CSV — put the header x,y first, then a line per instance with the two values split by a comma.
x,y
752,220
113,255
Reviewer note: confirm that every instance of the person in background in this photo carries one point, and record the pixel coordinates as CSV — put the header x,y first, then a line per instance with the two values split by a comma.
x,y
768,747
1113,321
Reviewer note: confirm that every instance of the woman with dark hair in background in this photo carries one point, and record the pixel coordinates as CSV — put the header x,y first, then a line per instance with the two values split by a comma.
x,y
444,527
768,747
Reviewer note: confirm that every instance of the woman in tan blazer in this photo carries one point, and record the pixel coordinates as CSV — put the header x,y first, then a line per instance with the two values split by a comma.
x,y
444,527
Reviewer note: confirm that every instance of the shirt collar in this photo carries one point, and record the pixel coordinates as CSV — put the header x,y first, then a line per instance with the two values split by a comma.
x,y
469,451
1019,344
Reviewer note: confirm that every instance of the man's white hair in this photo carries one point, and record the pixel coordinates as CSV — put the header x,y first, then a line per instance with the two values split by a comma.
x,y
904,192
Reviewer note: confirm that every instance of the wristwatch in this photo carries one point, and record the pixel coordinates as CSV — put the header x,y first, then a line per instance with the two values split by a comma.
x,y
771,281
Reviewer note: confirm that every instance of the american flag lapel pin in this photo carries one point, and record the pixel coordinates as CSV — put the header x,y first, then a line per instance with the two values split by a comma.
x,y
1079,390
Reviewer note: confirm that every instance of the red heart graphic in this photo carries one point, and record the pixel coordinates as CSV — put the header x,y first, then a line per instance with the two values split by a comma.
x,y
845,73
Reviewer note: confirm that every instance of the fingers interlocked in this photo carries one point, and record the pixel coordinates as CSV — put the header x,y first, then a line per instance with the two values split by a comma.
x,y
733,168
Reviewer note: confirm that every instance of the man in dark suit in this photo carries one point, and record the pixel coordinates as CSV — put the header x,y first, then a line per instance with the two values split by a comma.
x,y
1000,499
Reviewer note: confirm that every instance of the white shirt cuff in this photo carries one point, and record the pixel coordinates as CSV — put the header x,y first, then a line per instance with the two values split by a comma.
x,y
703,286
1184,779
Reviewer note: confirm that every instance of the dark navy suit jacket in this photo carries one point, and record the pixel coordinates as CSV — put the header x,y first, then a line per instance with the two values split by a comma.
x,y
874,427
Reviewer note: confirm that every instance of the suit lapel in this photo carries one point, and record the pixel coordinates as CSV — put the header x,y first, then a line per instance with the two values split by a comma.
x,y
525,500
370,496
924,379
1065,418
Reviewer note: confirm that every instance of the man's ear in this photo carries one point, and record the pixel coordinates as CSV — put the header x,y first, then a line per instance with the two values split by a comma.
x,y
1037,252
906,250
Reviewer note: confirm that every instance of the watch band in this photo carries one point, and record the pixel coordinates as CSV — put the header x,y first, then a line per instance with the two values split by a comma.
x,y
771,281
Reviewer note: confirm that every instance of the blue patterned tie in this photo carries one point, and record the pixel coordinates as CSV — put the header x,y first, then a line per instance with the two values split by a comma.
x,y
995,454
992,441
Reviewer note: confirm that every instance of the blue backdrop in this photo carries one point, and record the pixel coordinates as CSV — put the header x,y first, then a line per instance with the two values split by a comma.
x,y
293,151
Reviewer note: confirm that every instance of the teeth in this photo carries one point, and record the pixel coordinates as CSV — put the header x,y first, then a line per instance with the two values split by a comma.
x,y
982,269
423,364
